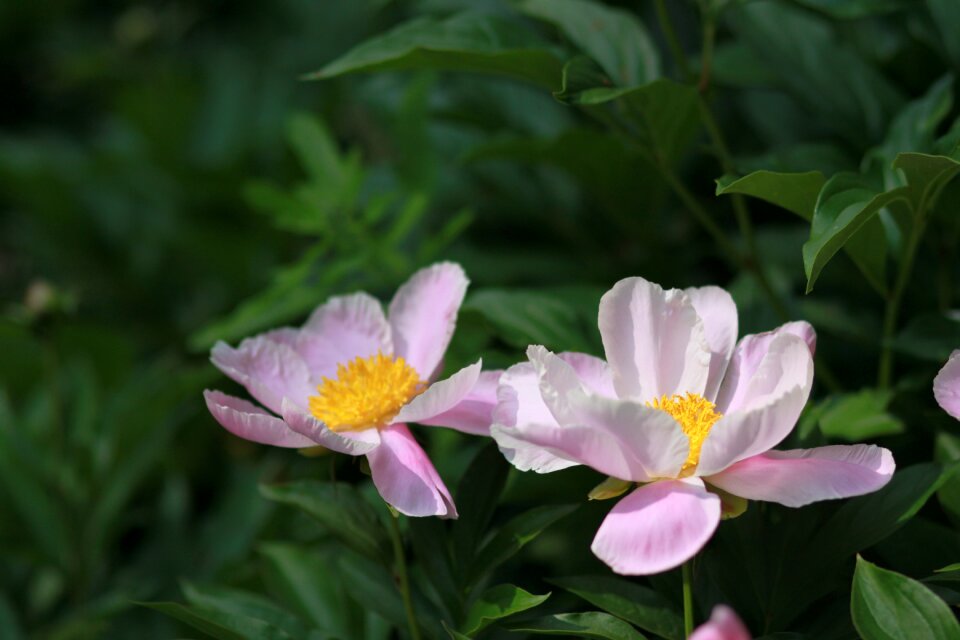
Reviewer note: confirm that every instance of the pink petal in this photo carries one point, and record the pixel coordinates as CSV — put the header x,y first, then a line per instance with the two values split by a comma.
x,y
772,402
621,438
423,314
474,413
654,340
657,527
719,315
269,370
520,408
724,624
405,477
442,395
747,358
801,476
354,443
595,374
946,386
340,330
250,422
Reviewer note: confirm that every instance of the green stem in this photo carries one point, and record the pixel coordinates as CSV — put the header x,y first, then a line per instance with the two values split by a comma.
x,y
687,598
885,368
666,25
404,586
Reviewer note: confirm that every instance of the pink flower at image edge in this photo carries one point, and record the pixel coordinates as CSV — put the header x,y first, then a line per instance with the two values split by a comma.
x,y
946,386
283,370
679,407
724,624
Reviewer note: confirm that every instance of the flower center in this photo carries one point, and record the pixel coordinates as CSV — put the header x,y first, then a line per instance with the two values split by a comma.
x,y
368,392
696,416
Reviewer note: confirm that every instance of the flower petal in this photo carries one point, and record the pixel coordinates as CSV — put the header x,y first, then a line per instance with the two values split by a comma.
x,y
474,413
354,443
801,476
423,314
269,370
724,624
442,395
747,358
654,340
340,330
719,315
519,408
250,422
772,401
621,438
657,527
405,477
946,386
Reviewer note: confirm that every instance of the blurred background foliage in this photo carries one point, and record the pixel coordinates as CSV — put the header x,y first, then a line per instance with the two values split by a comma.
x,y
169,177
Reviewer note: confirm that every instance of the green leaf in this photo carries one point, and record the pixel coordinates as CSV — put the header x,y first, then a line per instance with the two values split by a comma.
x,y
795,192
845,206
822,71
931,336
522,318
499,602
306,581
339,507
635,603
863,521
889,606
476,499
662,116
463,42
243,603
217,624
513,536
860,416
848,9
595,625
373,587
914,127
614,38
946,17
926,176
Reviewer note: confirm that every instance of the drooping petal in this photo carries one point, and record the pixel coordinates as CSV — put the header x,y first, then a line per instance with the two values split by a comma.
x,y
621,438
718,312
519,408
724,624
442,395
474,413
250,422
269,370
946,386
423,315
657,527
747,359
801,476
773,399
354,443
405,477
654,340
340,330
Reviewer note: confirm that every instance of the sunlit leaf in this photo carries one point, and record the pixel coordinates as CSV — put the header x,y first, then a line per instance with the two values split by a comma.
x,y
499,602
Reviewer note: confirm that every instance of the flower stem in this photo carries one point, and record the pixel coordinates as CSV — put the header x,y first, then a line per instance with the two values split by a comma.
x,y
687,598
885,368
403,579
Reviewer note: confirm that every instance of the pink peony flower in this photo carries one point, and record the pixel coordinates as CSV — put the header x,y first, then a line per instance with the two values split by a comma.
x,y
724,624
350,379
678,408
946,386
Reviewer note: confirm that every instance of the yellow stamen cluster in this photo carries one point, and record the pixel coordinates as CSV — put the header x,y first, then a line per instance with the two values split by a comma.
x,y
696,416
368,392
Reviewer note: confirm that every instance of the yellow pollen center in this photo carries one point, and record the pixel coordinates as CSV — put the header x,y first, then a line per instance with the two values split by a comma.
x,y
696,416
368,392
